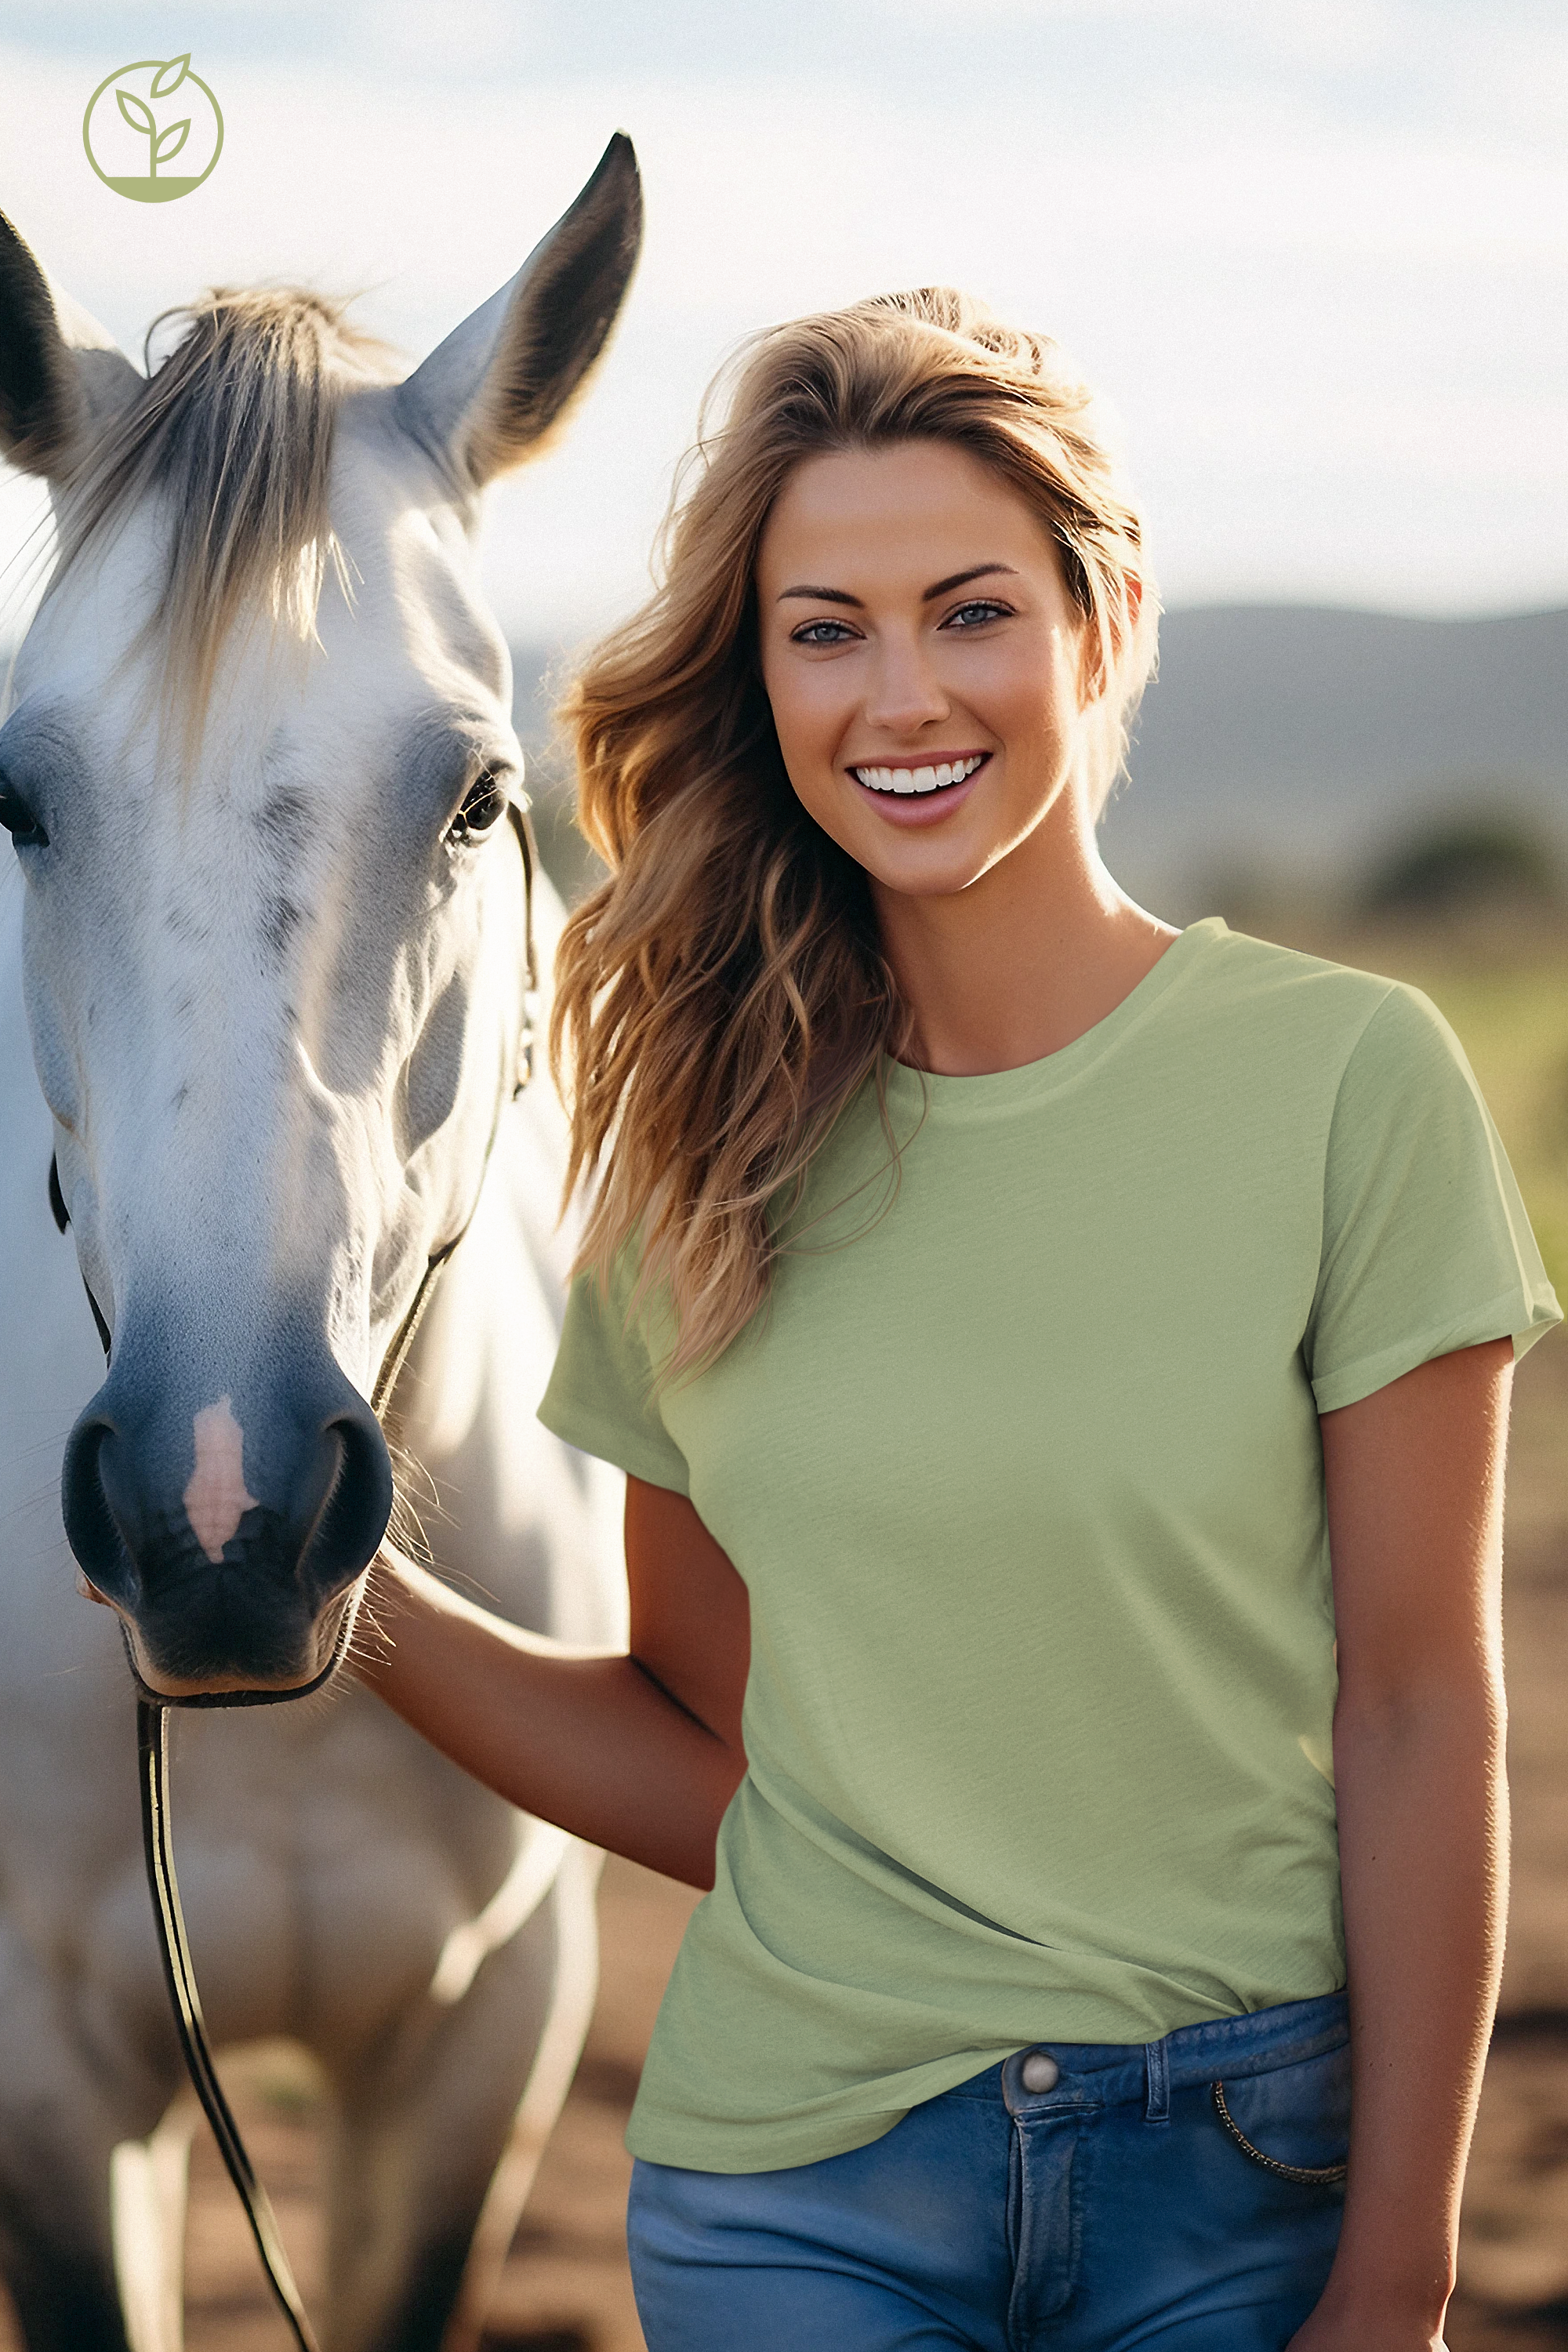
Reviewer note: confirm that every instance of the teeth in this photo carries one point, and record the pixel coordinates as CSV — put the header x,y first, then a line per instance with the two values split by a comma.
x,y
917,780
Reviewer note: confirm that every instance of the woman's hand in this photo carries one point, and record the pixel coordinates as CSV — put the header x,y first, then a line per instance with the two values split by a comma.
x,y
638,1750
1413,1477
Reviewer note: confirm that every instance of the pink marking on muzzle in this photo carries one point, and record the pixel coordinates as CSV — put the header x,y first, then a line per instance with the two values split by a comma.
x,y
217,1499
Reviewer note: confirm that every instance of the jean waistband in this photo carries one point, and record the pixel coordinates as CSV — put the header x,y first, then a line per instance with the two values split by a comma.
x,y
1105,2073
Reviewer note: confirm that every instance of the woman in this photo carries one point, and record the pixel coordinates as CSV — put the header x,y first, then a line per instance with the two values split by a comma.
x,y
1031,1334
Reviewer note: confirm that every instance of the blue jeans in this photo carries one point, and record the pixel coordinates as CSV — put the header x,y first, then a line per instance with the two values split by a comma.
x,y
1119,2204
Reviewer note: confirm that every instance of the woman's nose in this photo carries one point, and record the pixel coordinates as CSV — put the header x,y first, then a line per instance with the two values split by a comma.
x,y
905,691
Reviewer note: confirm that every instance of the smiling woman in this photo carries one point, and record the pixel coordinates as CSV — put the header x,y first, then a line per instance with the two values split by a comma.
x,y
1062,1367
951,735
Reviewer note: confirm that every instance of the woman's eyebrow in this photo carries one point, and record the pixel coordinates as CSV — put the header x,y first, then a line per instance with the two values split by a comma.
x,y
953,580
961,579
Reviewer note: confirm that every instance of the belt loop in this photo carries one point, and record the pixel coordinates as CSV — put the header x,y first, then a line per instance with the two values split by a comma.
x,y
1157,2063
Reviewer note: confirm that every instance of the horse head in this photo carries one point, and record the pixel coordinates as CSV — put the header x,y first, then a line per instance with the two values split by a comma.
x,y
257,771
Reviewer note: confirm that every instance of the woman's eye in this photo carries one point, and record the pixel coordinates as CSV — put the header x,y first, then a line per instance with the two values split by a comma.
x,y
972,615
482,810
822,632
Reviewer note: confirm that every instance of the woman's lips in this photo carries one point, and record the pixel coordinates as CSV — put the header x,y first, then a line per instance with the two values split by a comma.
x,y
907,798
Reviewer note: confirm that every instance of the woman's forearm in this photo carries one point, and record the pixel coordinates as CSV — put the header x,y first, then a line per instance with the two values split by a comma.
x,y
1423,1811
590,1741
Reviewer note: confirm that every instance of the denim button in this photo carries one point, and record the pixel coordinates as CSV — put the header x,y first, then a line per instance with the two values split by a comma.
x,y
1040,2073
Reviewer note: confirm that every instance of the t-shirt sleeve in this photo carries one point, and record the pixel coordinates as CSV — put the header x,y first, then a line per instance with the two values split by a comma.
x,y
601,1393
1426,1246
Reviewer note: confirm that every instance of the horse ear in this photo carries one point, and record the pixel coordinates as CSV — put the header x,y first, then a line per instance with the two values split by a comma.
x,y
61,374
486,397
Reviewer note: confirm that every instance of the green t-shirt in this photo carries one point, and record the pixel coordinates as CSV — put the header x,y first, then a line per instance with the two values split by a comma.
x,y
1024,1479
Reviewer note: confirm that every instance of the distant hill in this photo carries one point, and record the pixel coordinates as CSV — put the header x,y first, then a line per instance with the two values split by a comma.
x,y
1288,743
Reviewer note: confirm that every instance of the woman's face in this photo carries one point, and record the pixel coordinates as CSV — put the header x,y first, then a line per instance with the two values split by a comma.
x,y
923,660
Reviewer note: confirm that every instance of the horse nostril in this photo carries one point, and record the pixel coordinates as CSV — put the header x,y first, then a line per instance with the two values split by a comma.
x,y
92,1528
358,1502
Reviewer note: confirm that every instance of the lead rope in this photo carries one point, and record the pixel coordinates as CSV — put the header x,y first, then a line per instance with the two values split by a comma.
x,y
152,1752
179,1974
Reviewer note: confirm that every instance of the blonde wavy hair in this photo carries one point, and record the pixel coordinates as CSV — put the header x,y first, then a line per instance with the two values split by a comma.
x,y
722,996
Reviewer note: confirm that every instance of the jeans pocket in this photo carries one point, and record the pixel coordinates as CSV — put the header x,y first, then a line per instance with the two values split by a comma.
x,y
1294,2120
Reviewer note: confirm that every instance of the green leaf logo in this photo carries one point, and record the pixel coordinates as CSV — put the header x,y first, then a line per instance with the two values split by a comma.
x,y
139,117
162,160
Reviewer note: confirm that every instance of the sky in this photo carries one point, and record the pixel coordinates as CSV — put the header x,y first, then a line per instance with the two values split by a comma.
x,y
1313,254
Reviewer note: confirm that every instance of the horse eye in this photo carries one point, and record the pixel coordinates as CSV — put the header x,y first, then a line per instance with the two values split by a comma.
x,y
482,810
19,820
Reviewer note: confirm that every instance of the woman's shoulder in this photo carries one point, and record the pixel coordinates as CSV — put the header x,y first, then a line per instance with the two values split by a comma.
x,y
1291,994
1356,1057
1241,961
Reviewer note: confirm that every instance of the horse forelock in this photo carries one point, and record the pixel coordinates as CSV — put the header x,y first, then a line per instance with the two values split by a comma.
x,y
231,435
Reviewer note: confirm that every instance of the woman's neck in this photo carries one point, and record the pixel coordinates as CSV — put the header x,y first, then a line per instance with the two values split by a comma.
x,y
1036,952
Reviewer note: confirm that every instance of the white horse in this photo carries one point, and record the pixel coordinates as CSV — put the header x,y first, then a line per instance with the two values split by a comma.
x,y
276,999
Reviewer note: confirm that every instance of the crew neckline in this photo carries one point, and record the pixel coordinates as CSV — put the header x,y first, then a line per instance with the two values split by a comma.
x,y
940,1092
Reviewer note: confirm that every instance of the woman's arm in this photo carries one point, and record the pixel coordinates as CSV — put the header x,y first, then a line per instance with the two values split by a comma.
x,y
639,1751
1414,1500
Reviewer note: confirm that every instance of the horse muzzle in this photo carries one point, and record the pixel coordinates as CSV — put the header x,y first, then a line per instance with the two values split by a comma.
x,y
227,1530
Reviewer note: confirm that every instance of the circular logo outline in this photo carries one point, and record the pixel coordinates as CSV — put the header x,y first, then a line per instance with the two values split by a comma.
x,y
107,83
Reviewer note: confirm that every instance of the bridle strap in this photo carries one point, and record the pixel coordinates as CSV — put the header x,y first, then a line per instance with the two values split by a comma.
x,y
396,1356
528,846
197,1700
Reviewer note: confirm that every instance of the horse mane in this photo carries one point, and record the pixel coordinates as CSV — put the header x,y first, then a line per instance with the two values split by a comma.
x,y
233,432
